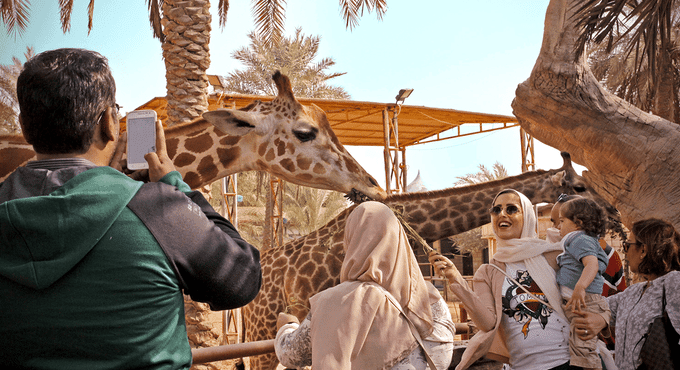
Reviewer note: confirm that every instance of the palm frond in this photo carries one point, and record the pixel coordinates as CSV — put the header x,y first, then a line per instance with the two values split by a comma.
x,y
222,9
14,15
65,10
155,16
270,17
352,10
649,23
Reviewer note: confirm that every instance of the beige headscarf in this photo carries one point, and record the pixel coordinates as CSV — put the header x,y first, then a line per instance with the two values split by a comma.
x,y
529,248
354,326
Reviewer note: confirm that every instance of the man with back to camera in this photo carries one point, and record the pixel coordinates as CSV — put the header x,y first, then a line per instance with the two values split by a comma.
x,y
93,263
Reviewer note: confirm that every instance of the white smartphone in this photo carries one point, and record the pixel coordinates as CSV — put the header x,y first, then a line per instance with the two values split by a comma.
x,y
141,138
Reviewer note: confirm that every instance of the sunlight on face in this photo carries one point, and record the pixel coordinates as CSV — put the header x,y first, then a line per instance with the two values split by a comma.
x,y
508,226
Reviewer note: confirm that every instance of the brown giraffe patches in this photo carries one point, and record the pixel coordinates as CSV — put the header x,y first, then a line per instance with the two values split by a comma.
x,y
319,169
227,156
290,147
460,207
270,155
440,215
230,140
184,159
192,179
288,164
199,144
262,149
171,145
280,147
303,162
352,165
417,216
207,168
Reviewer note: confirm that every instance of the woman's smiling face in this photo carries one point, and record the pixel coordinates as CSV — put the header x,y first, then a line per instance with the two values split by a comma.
x,y
506,224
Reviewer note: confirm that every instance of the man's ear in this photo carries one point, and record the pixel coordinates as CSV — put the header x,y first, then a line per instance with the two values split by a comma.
x,y
21,124
109,126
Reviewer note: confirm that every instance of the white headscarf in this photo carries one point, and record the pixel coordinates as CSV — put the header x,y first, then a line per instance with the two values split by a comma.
x,y
529,249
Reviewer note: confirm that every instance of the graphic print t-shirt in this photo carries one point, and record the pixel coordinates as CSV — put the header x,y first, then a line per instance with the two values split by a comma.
x,y
536,337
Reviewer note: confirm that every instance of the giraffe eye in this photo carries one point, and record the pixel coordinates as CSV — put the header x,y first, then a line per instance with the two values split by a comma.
x,y
306,135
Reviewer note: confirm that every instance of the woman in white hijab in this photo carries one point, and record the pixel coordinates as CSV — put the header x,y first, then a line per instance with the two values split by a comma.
x,y
369,321
516,303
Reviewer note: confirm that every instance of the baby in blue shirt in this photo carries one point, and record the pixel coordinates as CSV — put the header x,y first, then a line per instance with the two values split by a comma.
x,y
582,263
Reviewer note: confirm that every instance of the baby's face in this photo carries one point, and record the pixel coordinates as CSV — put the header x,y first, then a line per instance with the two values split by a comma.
x,y
566,226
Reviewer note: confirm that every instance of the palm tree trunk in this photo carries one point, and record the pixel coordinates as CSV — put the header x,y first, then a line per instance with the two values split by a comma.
x,y
664,96
632,156
186,26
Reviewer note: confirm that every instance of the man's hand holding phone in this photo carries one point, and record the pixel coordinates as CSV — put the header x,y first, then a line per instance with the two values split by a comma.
x,y
160,163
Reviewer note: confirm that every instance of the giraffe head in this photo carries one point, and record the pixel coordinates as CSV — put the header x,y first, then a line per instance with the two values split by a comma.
x,y
565,180
294,142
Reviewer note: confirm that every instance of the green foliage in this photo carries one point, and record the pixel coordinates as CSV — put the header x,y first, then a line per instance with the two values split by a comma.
x,y
294,57
471,240
9,105
485,174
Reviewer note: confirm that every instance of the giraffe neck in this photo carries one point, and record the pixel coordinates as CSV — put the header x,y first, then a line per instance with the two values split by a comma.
x,y
204,154
438,214
200,152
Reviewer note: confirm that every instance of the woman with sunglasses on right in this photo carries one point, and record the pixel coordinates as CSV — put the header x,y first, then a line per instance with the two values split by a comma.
x,y
516,302
653,254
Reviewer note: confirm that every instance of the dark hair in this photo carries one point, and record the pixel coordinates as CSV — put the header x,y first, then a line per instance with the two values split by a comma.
x,y
62,94
563,198
662,241
586,215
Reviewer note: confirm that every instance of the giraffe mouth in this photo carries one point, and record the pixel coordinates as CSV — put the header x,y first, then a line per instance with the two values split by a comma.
x,y
356,197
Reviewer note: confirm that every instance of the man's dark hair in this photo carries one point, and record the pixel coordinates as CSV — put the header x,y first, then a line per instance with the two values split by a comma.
x,y
586,214
62,95
663,244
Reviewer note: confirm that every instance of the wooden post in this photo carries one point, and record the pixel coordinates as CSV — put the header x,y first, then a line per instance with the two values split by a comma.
x,y
231,351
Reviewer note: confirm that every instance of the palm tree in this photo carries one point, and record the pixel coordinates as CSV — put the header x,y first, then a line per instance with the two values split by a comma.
x,y
9,105
643,36
294,56
308,209
471,240
497,172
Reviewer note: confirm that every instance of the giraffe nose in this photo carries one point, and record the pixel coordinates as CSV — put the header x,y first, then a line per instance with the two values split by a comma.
x,y
372,180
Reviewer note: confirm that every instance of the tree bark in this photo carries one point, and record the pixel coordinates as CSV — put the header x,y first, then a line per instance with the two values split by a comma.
x,y
631,155
186,26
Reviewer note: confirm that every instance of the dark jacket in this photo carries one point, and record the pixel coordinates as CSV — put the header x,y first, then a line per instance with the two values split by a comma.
x,y
93,265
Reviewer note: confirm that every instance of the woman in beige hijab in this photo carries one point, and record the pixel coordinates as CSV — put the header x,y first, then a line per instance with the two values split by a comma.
x,y
357,324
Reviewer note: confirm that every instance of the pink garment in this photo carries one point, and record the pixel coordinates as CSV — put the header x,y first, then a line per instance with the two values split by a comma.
x,y
354,326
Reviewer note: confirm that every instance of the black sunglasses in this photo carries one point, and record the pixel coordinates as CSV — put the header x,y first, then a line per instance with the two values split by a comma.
x,y
509,210
627,245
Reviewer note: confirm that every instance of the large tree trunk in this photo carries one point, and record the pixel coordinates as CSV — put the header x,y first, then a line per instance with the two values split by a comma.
x,y
631,155
186,26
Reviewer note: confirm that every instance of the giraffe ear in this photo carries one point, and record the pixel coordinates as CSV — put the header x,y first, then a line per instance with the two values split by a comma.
x,y
233,122
558,178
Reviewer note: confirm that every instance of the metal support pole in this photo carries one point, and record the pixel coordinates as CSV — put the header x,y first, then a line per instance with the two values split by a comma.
x,y
276,187
394,171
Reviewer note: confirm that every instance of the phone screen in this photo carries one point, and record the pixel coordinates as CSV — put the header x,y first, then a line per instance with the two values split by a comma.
x,y
141,140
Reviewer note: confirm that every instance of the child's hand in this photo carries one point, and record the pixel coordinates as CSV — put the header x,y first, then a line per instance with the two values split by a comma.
x,y
577,302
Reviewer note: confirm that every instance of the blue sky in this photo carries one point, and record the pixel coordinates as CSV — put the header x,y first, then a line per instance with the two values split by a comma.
x,y
466,55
